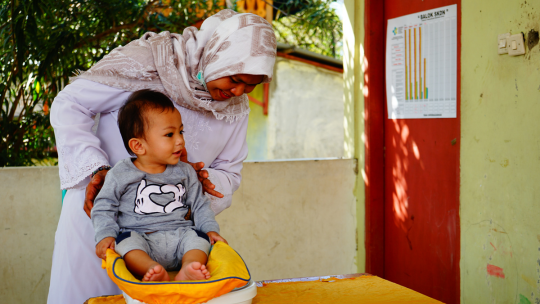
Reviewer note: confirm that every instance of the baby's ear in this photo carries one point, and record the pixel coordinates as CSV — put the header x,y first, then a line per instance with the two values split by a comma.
x,y
136,145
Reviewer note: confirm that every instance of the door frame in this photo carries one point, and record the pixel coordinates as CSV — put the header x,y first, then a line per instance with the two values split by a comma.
x,y
374,85
374,120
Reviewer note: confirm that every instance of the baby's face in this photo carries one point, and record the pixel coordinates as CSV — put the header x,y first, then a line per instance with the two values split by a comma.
x,y
164,139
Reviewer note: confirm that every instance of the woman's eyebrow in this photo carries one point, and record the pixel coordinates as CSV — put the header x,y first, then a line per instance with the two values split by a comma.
x,y
240,80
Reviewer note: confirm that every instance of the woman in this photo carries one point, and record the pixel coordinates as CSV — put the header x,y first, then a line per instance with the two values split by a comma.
x,y
206,73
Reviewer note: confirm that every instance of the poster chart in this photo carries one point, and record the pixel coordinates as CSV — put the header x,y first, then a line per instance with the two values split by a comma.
x,y
421,64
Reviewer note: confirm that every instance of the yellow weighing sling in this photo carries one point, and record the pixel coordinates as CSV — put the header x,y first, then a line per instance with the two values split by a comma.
x,y
227,270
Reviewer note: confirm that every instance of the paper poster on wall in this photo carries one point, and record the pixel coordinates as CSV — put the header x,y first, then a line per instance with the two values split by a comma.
x,y
421,64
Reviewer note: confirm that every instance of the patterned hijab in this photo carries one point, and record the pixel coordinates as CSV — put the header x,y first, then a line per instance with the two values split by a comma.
x,y
179,66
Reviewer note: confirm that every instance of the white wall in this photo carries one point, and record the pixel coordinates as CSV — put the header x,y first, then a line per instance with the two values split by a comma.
x,y
288,219
305,115
294,219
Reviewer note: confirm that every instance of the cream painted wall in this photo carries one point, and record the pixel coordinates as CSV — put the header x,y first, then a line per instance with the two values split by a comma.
x,y
294,218
500,155
30,206
353,122
288,219
305,115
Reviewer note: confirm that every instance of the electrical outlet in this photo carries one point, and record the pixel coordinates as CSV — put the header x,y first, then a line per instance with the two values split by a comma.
x,y
515,45
502,44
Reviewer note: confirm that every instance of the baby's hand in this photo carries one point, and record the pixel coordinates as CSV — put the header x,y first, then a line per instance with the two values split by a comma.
x,y
214,237
101,247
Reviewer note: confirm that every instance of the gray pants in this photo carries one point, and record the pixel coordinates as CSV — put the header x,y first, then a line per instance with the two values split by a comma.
x,y
165,247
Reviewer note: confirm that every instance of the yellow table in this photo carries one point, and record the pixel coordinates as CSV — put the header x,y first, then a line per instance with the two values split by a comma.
x,y
343,289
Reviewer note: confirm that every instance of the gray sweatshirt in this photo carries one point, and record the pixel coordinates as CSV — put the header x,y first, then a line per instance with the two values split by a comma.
x,y
133,200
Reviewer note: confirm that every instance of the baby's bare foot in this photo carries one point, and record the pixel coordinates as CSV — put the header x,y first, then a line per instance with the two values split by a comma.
x,y
192,271
156,273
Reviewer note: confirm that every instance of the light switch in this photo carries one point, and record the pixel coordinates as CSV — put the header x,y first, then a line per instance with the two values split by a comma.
x,y
517,45
502,44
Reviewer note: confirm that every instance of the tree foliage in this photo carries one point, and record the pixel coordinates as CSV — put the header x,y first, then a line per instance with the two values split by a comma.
x,y
309,24
43,42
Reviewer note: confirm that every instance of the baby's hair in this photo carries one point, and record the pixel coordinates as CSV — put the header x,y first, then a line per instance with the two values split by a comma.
x,y
132,120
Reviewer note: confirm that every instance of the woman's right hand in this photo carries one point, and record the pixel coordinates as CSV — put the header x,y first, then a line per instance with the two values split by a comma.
x,y
92,190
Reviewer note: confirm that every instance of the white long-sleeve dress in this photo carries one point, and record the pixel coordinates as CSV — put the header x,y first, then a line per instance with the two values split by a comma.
x,y
76,273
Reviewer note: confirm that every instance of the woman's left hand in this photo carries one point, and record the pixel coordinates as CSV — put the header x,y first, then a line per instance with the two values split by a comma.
x,y
201,174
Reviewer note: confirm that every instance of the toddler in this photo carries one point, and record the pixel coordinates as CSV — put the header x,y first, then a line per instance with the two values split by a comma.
x,y
141,208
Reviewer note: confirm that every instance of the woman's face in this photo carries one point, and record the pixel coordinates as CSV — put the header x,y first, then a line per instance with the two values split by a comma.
x,y
230,86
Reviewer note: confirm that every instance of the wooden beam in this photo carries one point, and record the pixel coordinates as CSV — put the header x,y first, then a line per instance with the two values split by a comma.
x,y
269,11
315,63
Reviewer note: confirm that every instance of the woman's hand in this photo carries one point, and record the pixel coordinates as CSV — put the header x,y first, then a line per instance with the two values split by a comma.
x,y
206,183
92,190
201,174
214,237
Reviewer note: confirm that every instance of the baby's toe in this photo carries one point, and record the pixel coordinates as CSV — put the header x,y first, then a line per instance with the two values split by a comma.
x,y
197,266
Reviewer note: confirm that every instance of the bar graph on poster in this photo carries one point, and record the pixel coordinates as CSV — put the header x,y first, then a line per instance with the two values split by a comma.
x,y
421,64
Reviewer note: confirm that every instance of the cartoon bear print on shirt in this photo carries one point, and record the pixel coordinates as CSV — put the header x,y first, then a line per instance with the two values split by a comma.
x,y
145,205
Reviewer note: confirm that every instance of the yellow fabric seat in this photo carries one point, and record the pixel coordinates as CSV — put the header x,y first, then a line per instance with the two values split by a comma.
x,y
227,270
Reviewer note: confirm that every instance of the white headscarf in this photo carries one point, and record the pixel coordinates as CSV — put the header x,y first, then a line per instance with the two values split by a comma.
x,y
179,66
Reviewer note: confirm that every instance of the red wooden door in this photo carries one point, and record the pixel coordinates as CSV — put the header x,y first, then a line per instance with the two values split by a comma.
x,y
421,190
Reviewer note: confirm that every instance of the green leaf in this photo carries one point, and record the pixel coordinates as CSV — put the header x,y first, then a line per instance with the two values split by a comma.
x,y
52,39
